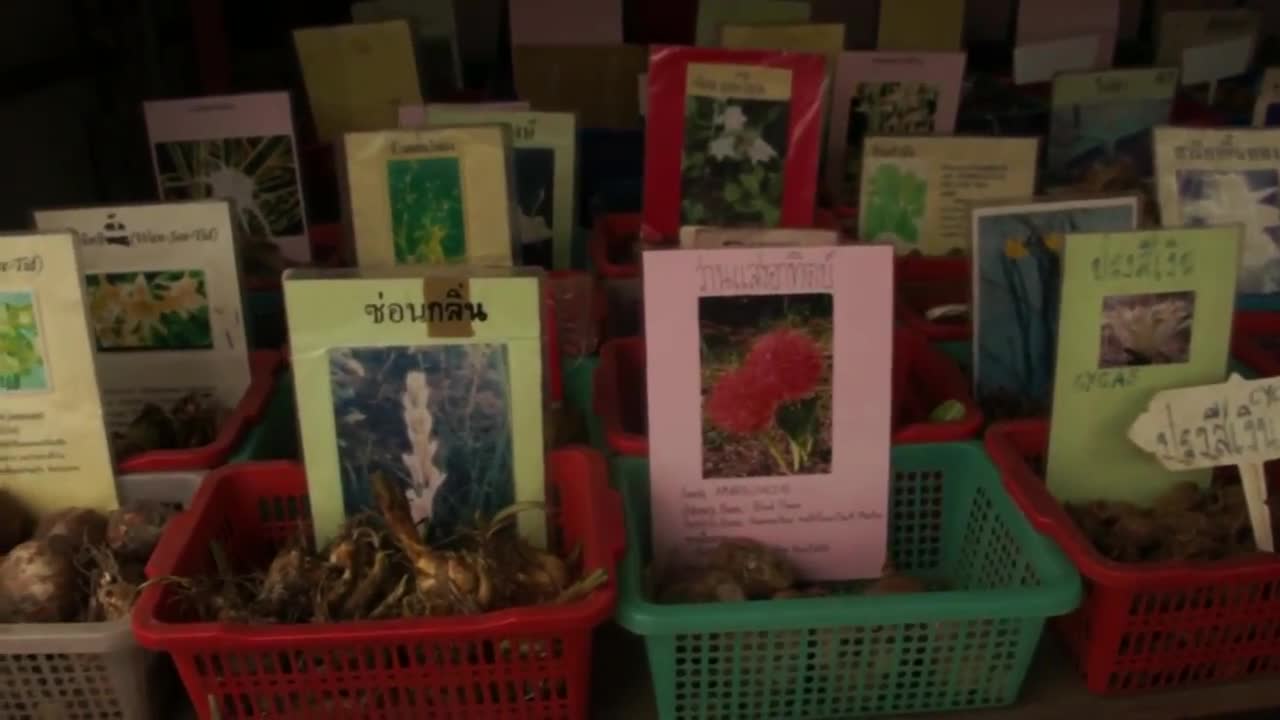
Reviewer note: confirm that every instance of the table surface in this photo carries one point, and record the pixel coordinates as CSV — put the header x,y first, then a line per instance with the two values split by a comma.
x,y
1053,691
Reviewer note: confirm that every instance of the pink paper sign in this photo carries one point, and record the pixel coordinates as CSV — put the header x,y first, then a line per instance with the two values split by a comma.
x,y
1044,21
566,22
769,403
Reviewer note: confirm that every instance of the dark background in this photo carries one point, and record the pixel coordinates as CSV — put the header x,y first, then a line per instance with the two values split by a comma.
x,y
73,73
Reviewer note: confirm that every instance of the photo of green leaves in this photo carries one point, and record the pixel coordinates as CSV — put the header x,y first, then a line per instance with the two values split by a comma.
x,y
895,203
164,310
766,385
731,169
22,367
259,175
428,224
886,108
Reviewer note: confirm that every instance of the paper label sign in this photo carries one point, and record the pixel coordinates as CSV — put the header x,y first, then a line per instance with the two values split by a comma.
x,y
1210,63
1039,62
1229,423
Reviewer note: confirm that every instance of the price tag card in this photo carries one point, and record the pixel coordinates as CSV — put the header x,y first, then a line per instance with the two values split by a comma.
x,y
1218,61
1231,423
1039,62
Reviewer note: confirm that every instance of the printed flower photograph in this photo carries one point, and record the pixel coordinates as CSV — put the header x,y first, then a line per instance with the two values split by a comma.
x,y
766,385
1146,329
163,310
436,419
731,173
1250,198
1103,147
1019,265
886,108
535,191
22,367
428,224
896,203
259,175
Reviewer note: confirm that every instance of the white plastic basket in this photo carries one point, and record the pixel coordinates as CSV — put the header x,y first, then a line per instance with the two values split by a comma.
x,y
88,671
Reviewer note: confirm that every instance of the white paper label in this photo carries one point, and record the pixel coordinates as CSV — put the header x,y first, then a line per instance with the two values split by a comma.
x,y
1210,63
1231,423
1039,62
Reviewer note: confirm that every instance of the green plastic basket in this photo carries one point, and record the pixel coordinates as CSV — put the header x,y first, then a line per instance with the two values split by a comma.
x,y
579,377
275,436
853,655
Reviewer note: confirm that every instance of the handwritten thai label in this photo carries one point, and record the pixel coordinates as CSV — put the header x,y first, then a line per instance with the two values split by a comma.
x,y
22,264
448,305
1110,85
792,273
454,296
1147,257
1231,423
419,147
748,82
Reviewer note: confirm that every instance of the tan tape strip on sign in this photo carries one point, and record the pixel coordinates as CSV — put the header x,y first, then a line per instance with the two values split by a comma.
x,y
449,309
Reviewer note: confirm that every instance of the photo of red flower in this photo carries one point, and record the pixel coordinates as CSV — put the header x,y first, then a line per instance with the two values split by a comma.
x,y
766,385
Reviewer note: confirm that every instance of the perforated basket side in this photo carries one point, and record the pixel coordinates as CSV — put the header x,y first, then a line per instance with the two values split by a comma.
x,y
967,646
530,662
87,671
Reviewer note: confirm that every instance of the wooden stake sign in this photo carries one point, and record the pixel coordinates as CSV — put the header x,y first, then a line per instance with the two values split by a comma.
x,y
1232,423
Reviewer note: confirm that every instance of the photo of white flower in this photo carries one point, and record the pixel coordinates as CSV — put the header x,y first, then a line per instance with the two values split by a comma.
x,y
731,172
1146,329
1246,197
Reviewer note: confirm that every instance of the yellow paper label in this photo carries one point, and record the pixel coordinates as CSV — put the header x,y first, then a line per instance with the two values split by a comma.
x,y
1110,85
921,25
827,39
357,76
738,82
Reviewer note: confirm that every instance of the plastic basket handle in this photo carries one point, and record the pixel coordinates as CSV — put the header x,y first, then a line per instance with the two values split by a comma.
x,y
257,395
164,558
1026,490
616,522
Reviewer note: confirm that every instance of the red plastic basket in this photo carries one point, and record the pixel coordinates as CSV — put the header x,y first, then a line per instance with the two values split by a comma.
x,y
1147,627
1255,342
264,368
923,378
927,282
532,663
612,244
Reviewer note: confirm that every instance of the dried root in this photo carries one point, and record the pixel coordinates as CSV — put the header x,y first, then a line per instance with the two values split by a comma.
x,y
1184,523
379,567
739,570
